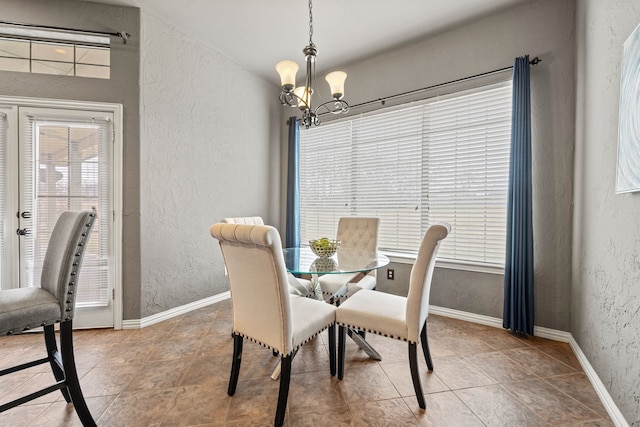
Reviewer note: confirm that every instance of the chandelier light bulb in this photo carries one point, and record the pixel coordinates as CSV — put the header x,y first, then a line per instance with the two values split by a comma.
x,y
304,96
336,83
287,70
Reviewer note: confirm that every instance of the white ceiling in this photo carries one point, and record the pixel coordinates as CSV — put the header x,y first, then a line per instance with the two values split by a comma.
x,y
258,33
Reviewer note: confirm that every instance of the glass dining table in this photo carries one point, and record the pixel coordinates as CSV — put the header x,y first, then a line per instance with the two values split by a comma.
x,y
302,261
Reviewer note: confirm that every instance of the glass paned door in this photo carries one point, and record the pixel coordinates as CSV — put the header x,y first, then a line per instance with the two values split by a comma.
x,y
65,160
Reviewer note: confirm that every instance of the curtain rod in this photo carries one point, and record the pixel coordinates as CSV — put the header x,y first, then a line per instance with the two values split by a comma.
x,y
534,61
122,34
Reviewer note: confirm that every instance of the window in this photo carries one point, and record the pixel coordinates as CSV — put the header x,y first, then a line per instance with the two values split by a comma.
x,y
44,51
442,159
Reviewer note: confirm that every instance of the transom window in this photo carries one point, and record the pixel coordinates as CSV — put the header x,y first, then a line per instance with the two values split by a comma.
x,y
44,51
441,159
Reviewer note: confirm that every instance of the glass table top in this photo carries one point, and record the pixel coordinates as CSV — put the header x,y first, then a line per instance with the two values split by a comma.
x,y
347,260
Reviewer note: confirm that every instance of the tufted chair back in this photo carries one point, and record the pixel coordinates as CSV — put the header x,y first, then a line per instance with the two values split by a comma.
x,y
251,220
260,288
296,286
420,279
358,232
64,256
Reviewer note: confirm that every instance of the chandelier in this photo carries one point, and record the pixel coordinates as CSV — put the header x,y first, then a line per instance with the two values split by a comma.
x,y
301,96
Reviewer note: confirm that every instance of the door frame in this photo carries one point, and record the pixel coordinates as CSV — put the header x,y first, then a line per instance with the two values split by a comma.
x,y
117,111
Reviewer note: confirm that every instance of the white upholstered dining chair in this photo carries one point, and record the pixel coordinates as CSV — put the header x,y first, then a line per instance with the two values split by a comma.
x,y
297,285
22,309
403,318
263,309
356,233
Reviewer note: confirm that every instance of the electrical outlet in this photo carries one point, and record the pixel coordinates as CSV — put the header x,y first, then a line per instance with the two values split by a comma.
x,y
390,273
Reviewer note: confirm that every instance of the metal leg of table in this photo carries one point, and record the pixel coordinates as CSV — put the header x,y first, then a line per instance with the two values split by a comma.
x,y
364,345
276,372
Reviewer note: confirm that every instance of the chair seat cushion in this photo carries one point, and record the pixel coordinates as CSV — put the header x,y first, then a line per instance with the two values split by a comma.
x,y
377,312
26,308
309,317
331,283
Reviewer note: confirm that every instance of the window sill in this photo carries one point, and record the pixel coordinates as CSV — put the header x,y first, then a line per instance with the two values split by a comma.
x,y
410,258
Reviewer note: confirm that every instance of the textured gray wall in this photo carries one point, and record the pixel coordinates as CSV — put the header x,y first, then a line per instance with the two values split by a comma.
x,y
605,310
205,156
122,87
478,293
543,28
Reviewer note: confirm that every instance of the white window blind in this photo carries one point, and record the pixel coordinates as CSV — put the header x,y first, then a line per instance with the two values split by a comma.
x,y
69,168
442,159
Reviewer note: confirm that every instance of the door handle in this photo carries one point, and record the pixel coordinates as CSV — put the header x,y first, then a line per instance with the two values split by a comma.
x,y
26,215
22,231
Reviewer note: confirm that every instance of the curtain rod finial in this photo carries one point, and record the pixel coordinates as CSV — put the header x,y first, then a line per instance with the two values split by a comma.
x,y
535,61
124,35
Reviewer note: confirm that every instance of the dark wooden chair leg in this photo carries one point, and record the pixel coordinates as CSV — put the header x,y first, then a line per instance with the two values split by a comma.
x,y
332,349
342,340
71,375
415,374
54,358
235,364
425,347
283,393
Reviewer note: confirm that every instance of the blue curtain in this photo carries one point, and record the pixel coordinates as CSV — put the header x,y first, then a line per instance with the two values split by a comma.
x,y
518,267
292,232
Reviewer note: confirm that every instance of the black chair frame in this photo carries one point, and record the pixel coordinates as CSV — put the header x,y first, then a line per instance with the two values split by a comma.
x,y
285,371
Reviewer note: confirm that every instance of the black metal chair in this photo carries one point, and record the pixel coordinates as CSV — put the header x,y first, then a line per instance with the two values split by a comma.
x,y
54,302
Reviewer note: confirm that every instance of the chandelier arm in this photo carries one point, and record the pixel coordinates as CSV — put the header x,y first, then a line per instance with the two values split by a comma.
x,y
293,100
335,106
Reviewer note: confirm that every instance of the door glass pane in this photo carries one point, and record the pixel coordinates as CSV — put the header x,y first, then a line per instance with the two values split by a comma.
x,y
93,55
3,192
94,71
47,67
14,48
72,173
52,51
14,64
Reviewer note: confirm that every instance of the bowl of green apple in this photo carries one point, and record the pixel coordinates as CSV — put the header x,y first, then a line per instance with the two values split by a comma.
x,y
324,247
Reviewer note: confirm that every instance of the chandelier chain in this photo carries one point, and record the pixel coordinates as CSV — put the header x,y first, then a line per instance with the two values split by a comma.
x,y
310,24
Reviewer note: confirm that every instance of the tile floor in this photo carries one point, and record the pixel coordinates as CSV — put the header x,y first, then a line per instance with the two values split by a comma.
x,y
175,374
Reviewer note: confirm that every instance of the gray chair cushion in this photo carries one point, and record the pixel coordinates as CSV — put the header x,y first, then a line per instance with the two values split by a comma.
x,y
25,308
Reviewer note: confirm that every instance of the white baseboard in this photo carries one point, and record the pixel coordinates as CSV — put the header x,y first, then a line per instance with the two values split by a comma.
x,y
613,411
176,311
552,334
538,331
464,315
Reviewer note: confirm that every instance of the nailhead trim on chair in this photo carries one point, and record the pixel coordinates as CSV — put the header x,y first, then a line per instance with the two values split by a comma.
x,y
375,332
292,351
26,328
75,266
